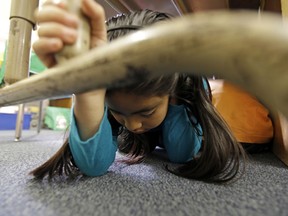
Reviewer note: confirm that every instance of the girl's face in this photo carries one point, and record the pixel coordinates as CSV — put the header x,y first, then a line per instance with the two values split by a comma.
x,y
138,114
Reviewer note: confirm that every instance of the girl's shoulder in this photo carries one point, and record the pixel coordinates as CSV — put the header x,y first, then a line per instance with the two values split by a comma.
x,y
175,111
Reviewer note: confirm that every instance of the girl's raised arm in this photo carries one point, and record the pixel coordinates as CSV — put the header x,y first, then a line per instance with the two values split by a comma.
x,y
57,28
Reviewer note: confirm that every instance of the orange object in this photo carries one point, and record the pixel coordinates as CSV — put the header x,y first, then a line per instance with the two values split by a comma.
x,y
248,119
61,102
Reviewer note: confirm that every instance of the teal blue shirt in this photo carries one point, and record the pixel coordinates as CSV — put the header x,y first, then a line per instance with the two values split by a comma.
x,y
94,156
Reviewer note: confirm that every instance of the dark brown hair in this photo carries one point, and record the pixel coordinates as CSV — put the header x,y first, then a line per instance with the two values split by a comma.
x,y
219,158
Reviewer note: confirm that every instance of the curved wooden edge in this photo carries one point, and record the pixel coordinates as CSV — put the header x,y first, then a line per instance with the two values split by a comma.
x,y
234,45
280,142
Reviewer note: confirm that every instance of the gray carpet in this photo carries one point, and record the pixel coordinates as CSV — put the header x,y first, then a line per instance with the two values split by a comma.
x,y
144,189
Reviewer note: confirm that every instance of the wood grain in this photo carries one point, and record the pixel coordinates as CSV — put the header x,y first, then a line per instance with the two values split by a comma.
x,y
237,46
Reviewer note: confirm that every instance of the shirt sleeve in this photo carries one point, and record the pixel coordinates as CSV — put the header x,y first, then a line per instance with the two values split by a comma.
x,y
93,156
181,139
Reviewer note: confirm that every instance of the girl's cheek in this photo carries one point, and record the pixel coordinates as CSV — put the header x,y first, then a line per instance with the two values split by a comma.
x,y
153,121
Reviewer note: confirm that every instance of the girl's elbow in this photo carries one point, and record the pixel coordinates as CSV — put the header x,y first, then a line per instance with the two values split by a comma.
x,y
95,170
98,167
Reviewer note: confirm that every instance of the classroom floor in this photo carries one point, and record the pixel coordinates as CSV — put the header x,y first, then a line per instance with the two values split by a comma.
x,y
143,189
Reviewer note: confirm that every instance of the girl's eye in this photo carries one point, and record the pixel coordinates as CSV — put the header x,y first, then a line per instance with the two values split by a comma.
x,y
148,114
114,112
143,114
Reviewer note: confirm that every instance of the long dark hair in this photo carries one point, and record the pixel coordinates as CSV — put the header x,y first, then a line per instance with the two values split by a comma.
x,y
219,158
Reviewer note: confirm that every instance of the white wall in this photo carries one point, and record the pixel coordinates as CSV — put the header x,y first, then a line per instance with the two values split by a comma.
x,y
4,22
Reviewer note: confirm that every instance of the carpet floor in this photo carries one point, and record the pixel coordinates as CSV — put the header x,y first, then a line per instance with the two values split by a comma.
x,y
142,189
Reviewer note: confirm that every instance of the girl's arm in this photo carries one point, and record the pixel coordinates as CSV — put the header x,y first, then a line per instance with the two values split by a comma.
x,y
94,155
88,112
89,107
90,140
58,28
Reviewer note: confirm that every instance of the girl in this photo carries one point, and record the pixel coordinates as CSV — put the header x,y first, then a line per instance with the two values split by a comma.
x,y
173,112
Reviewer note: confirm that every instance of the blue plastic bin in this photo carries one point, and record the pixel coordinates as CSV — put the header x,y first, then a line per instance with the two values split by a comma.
x,y
8,121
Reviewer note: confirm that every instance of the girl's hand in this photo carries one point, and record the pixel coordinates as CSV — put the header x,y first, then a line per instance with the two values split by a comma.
x,y
58,27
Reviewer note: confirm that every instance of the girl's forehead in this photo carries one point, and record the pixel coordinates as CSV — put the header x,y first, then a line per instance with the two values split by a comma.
x,y
135,96
129,102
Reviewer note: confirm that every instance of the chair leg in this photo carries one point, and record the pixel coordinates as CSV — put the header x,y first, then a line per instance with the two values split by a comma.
x,y
39,125
19,123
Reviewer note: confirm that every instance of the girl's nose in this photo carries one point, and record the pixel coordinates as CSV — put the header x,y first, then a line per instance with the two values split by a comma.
x,y
132,124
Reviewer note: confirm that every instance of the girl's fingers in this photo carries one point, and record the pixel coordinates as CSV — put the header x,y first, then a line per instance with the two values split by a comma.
x,y
58,27
45,48
52,13
96,14
47,45
56,30
59,3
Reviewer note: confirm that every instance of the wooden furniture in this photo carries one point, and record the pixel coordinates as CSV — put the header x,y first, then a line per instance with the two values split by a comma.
x,y
280,144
